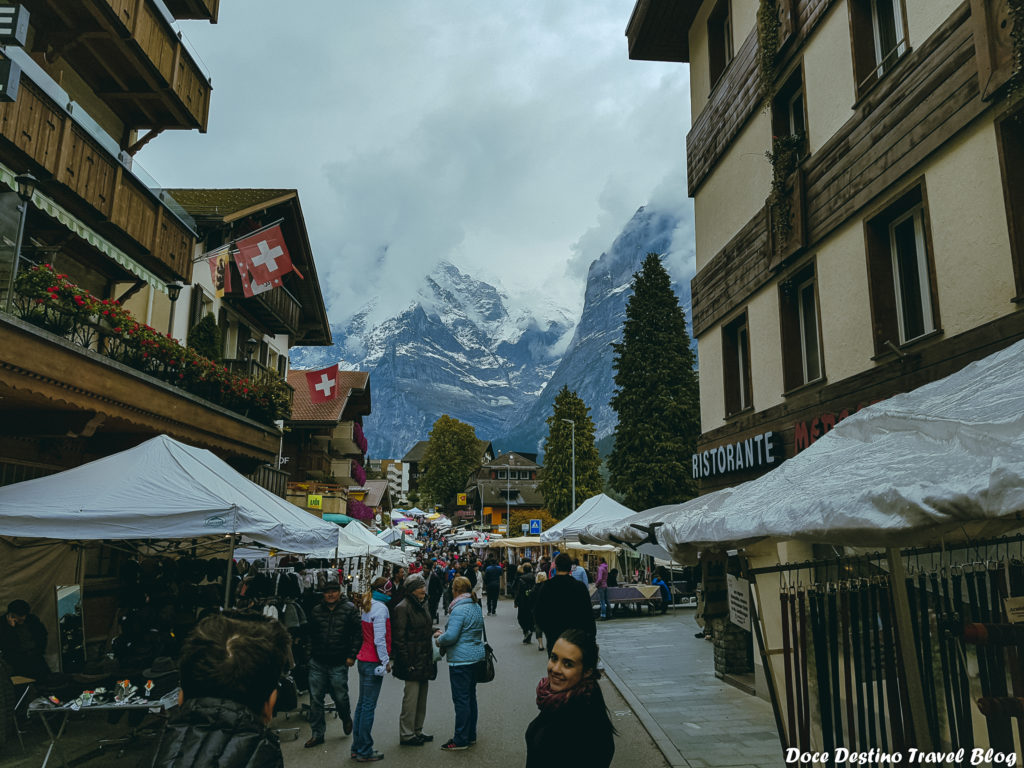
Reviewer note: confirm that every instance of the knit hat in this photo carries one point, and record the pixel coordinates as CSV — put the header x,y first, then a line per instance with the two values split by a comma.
x,y
414,582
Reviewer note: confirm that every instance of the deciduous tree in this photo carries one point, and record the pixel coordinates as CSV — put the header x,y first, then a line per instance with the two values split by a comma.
x,y
656,396
452,456
556,479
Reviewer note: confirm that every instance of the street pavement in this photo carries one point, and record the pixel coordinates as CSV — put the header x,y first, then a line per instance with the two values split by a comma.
x,y
667,678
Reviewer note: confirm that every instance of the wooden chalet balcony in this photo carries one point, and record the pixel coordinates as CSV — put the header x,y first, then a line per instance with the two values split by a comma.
x,y
341,470
205,10
88,177
343,439
276,310
130,54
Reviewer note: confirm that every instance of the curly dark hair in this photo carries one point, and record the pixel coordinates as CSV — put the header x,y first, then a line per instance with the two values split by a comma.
x,y
240,659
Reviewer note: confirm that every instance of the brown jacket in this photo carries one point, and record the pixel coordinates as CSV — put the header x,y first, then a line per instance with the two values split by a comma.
x,y
411,632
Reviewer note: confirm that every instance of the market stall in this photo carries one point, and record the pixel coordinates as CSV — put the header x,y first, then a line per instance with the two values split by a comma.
x,y
900,648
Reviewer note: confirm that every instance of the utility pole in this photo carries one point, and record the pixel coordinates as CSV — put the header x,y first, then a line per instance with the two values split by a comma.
x,y
573,424
508,495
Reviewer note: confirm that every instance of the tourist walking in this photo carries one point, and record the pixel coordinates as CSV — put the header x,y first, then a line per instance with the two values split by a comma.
x,y
373,662
435,587
335,635
539,578
412,633
601,583
463,645
573,727
563,603
492,585
523,602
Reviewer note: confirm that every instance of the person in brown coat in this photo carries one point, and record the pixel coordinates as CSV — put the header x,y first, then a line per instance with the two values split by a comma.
x,y
412,630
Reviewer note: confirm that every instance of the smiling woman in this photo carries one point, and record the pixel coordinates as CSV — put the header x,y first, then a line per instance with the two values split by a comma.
x,y
573,727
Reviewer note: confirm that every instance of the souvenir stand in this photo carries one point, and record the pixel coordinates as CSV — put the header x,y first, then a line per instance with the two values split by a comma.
x,y
907,635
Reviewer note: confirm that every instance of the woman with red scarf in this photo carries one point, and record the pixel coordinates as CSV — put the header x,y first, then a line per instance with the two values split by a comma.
x,y
573,727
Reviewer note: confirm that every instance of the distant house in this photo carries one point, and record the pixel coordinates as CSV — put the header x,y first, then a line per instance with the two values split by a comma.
x,y
324,442
374,495
505,484
414,458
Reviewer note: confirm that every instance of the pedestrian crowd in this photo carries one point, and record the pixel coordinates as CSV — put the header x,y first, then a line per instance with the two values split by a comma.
x,y
232,664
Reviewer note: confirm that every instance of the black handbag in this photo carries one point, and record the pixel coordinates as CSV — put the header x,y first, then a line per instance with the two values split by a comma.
x,y
485,667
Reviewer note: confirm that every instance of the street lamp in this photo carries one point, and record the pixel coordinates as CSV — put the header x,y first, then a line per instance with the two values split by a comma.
x,y
508,495
573,424
26,189
173,292
250,349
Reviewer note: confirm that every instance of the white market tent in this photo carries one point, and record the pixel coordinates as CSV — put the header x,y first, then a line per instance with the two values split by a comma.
x,y
945,461
356,541
159,490
594,511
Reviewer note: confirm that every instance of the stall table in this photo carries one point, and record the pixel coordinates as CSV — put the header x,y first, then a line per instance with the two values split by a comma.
x,y
628,594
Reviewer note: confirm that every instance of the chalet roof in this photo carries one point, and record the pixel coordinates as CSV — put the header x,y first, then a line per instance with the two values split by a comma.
x,y
418,451
375,490
229,204
513,459
492,493
330,412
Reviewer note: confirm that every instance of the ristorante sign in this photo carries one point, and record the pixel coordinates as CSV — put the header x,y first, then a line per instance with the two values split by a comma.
x,y
763,451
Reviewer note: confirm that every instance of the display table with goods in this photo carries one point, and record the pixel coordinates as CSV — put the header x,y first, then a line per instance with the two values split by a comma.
x,y
628,594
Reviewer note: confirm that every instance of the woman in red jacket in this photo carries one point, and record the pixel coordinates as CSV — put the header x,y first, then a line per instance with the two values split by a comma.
x,y
373,661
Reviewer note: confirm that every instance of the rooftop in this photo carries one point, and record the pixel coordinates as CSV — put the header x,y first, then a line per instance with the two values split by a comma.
x,y
350,384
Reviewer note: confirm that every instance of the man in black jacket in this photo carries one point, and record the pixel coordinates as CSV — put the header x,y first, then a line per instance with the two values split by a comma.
x,y
335,634
435,588
562,603
412,631
229,674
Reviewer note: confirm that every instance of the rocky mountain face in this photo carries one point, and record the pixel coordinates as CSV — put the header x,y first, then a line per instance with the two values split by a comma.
x,y
586,366
458,350
455,350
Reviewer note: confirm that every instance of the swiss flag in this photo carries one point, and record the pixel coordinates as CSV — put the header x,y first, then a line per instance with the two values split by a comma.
x,y
323,384
266,254
250,285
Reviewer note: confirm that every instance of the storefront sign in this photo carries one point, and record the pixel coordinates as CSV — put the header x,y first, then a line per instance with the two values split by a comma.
x,y
806,433
758,452
461,499
1014,609
465,514
739,601
315,501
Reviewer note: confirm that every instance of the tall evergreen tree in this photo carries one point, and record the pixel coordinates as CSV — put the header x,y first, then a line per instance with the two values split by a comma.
x,y
656,396
556,479
452,456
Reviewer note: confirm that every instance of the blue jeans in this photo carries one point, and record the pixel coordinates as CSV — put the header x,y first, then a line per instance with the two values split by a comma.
x,y
463,680
324,679
602,596
362,720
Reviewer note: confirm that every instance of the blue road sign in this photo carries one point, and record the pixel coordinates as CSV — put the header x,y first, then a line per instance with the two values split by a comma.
x,y
535,527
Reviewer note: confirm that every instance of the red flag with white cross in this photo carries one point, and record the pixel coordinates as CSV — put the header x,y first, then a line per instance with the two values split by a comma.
x,y
266,255
323,384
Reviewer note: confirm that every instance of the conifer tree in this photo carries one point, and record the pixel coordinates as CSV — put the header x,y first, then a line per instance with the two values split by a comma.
x,y
451,458
656,396
556,479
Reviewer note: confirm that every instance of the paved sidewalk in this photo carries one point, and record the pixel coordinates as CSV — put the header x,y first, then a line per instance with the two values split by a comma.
x,y
667,677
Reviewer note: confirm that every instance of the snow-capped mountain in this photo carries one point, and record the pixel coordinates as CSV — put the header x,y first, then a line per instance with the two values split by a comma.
x,y
455,350
586,366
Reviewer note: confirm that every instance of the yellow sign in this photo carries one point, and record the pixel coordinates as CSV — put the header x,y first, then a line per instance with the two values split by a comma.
x,y
315,501
462,498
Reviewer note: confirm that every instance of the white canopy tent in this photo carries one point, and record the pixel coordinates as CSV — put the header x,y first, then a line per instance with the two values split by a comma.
x,y
159,490
945,461
596,510
356,541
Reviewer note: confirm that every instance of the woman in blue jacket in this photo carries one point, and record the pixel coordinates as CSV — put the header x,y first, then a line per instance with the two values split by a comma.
x,y
463,645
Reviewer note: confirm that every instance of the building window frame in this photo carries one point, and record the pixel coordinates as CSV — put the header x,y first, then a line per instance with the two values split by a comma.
x,y
1010,145
803,358
870,25
789,109
891,263
737,379
720,41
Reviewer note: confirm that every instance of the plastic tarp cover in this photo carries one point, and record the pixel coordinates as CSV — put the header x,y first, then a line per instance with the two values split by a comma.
x,y
594,511
945,461
158,490
357,541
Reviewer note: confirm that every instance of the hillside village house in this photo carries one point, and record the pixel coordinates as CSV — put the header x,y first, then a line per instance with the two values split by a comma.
x,y
413,460
880,244
374,496
324,444
505,484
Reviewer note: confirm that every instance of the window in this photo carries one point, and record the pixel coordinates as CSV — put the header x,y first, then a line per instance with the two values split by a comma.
x,y
719,40
903,304
801,336
789,115
502,475
736,364
1011,156
879,38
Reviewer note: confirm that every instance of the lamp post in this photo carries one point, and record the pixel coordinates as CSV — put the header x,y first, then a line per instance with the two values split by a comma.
x,y
573,425
250,349
26,189
173,292
508,495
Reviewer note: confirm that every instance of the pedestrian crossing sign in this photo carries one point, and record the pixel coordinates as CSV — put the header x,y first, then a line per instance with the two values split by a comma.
x,y
535,527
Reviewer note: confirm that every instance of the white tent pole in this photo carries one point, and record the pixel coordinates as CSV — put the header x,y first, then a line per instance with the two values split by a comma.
x,y
915,691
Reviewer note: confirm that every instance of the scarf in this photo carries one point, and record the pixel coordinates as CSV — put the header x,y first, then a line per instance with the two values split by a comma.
x,y
548,700
381,597
459,599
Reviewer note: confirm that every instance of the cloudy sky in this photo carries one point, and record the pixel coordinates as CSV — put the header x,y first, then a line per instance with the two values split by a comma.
x,y
513,138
